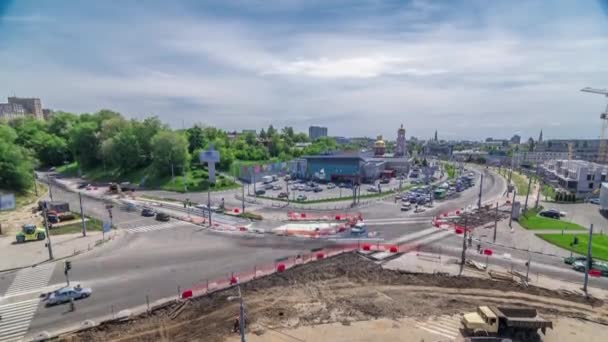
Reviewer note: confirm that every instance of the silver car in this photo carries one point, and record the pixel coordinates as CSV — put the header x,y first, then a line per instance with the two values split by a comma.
x,y
65,294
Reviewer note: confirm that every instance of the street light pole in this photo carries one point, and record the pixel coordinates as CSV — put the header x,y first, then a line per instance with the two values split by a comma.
x,y
588,261
527,194
495,222
241,312
46,228
84,225
512,207
35,184
48,177
464,243
480,189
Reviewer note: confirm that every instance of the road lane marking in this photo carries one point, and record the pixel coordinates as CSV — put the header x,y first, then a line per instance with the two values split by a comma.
x,y
161,226
446,326
29,279
16,319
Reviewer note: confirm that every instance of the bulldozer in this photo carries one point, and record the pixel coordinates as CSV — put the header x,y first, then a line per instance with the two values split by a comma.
x,y
30,232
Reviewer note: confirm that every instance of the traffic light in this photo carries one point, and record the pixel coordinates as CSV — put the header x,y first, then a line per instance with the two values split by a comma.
x,y
68,266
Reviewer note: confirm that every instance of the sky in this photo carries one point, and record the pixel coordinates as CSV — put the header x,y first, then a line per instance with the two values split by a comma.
x,y
468,69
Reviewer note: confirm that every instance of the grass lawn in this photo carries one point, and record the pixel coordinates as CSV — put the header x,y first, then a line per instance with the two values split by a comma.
x,y
195,179
599,244
76,227
532,221
29,197
521,183
343,198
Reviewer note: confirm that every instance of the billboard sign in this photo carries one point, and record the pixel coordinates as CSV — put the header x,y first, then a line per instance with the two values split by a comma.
x,y
7,202
211,157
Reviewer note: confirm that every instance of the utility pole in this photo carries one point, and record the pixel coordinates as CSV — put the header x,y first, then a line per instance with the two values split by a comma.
x,y
48,178
84,225
588,261
241,312
46,228
287,190
495,222
35,184
527,194
243,198
512,207
538,194
480,189
464,243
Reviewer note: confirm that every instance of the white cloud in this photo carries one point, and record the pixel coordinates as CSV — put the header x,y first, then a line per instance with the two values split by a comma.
x,y
359,77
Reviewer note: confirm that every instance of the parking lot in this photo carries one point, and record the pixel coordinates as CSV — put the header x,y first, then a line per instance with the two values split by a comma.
x,y
305,191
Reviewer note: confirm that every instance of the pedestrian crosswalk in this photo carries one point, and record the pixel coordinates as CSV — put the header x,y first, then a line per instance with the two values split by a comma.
x,y
30,280
444,325
16,318
398,220
158,226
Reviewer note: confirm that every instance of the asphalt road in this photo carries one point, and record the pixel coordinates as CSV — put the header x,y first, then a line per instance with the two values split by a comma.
x,y
154,264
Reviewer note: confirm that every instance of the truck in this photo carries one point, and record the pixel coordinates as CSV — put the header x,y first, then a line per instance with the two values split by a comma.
x,y
521,324
267,179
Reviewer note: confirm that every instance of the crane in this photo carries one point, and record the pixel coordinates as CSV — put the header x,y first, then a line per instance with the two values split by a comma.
x,y
602,153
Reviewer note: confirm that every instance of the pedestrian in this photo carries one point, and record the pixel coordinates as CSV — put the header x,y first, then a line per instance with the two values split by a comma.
x,y
236,327
479,247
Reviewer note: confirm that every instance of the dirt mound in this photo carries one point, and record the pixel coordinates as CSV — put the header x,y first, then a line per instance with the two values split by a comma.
x,y
345,289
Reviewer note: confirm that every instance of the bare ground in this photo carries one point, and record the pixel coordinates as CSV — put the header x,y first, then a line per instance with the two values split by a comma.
x,y
344,289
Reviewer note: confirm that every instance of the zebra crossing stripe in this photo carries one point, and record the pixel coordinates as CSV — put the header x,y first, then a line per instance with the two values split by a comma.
x,y
154,227
30,279
16,319
446,326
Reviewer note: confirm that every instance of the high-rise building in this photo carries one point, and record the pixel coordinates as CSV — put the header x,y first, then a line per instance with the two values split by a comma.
x,y
400,148
32,106
540,136
436,135
516,139
315,132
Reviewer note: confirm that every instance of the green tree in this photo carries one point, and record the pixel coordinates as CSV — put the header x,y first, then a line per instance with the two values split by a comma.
x,y
144,132
84,144
271,131
196,138
263,134
169,148
61,123
250,139
125,152
16,164
53,151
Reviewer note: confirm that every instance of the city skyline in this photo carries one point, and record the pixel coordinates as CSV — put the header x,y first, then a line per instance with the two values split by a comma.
x,y
463,68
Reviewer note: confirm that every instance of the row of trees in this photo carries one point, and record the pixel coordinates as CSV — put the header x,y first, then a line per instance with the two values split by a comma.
x,y
108,140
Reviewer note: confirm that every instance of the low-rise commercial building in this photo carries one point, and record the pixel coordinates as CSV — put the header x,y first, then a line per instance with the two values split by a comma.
x,y
348,167
580,177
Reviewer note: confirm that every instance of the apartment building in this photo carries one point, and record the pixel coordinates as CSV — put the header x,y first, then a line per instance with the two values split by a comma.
x,y
580,177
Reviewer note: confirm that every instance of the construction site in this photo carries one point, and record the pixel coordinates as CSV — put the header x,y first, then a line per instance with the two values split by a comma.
x,y
350,297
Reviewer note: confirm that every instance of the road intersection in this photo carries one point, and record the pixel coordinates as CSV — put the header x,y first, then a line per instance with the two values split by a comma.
x,y
155,260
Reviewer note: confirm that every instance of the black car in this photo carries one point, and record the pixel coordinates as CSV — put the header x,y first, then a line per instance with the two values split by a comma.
x,y
550,214
283,195
148,212
260,192
317,189
162,217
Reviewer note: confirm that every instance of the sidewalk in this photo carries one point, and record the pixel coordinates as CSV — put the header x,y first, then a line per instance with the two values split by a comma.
x,y
26,254
518,238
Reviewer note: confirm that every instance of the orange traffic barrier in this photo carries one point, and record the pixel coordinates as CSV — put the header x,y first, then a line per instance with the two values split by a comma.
x,y
186,294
